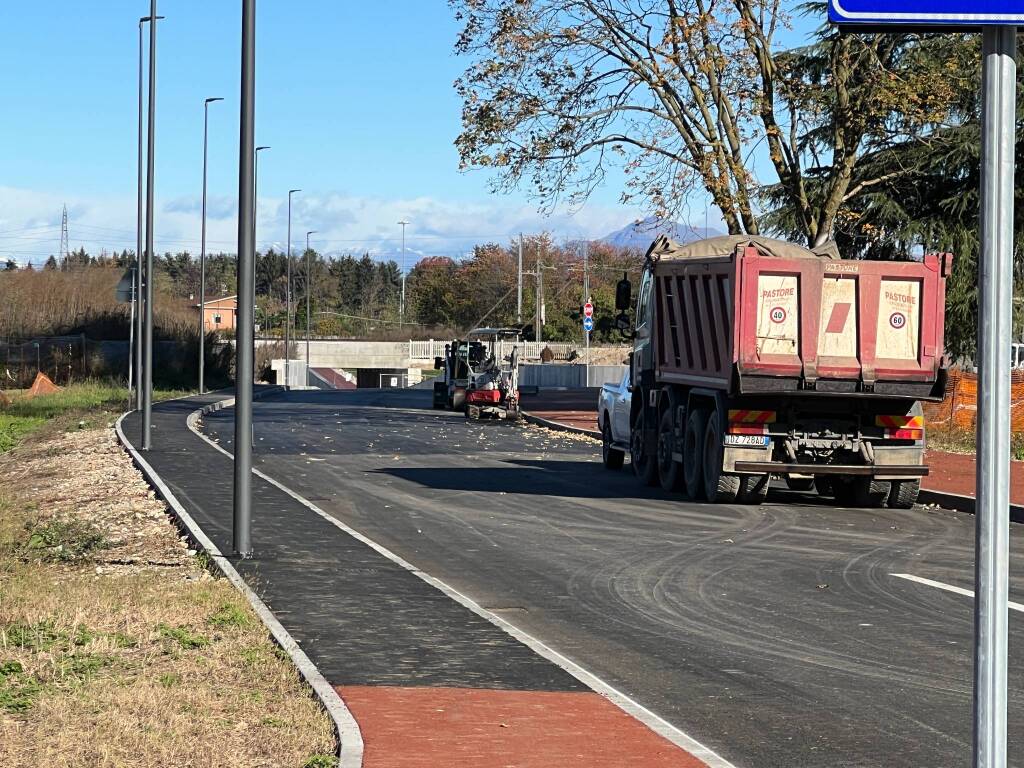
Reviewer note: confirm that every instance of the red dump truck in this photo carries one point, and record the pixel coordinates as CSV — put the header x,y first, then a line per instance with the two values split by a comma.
x,y
755,358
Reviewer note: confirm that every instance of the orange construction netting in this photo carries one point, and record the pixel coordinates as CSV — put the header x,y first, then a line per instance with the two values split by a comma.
x,y
960,406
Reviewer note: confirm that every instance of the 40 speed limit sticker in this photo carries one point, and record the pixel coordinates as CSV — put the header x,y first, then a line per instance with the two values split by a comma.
x,y
778,315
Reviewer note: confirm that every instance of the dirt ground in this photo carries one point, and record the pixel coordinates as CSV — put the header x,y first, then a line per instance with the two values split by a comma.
x,y
117,646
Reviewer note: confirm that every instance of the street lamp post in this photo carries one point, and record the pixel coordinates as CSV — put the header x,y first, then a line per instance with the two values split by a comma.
x,y
288,298
147,372
255,198
202,254
138,240
244,336
309,285
401,311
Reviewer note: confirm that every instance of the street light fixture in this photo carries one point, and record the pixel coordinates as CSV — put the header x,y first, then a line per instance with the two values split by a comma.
x,y
288,299
138,239
202,253
309,284
401,311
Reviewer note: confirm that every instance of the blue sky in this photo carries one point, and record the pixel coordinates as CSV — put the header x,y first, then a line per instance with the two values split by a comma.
x,y
354,98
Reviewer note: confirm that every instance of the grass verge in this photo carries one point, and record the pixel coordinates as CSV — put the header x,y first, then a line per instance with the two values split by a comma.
x,y
116,646
963,441
81,405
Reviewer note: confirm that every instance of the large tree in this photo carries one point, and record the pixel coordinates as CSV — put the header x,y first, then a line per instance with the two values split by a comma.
x,y
683,96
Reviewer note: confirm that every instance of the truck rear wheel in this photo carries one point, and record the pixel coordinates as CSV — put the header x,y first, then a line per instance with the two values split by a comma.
x,y
753,489
825,486
645,466
611,457
669,471
860,491
720,487
904,493
803,484
693,453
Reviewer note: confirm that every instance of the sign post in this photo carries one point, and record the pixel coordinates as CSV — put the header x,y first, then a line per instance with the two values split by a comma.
x,y
997,20
588,326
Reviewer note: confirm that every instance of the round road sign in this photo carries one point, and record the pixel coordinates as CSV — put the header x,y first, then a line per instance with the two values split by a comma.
x,y
897,320
588,310
588,323
778,315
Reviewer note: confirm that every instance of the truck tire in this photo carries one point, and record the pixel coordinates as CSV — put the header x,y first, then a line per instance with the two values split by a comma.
x,y
670,472
645,466
825,486
860,491
693,453
611,457
720,488
802,484
904,493
753,489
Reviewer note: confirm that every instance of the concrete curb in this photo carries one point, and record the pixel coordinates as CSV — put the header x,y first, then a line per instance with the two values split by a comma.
x,y
962,503
350,738
558,426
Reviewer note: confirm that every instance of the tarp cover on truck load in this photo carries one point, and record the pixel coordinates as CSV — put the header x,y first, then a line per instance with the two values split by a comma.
x,y
726,245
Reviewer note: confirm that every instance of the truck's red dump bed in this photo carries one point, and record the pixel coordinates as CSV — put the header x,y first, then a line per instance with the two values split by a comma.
x,y
758,315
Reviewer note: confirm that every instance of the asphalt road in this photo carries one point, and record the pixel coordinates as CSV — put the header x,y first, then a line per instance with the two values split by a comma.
x,y
778,635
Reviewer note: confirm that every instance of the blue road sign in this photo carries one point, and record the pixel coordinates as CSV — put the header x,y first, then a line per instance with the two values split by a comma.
x,y
588,323
911,13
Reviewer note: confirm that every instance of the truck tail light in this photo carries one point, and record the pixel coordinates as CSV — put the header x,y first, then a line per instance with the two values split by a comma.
x,y
748,429
746,422
902,427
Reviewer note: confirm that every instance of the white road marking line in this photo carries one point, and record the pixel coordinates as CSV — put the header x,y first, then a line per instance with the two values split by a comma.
x,y
950,588
623,701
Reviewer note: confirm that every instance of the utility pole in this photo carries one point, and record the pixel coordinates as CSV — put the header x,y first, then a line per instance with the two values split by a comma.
x,y
401,312
538,320
202,255
242,512
288,299
147,358
65,248
519,284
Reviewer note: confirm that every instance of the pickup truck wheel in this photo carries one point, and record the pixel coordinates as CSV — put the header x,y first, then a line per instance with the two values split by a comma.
x,y
610,456
693,453
904,493
645,467
803,484
753,489
721,488
669,471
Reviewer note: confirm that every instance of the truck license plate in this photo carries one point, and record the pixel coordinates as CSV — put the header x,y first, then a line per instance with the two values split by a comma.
x,y
756,441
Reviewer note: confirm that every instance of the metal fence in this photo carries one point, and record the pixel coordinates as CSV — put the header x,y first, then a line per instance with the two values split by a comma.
x,y
63,358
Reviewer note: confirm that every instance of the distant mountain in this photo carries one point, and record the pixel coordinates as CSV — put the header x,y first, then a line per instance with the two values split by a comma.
x,y
640,234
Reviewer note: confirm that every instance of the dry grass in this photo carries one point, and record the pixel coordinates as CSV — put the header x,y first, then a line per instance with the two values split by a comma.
x,y
116,646
958,440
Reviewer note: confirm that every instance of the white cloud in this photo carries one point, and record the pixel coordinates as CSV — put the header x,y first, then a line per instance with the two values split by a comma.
x,y
30,223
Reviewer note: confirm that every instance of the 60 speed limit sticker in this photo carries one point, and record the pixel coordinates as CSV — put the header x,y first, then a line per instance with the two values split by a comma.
x,y
897,320
777,315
